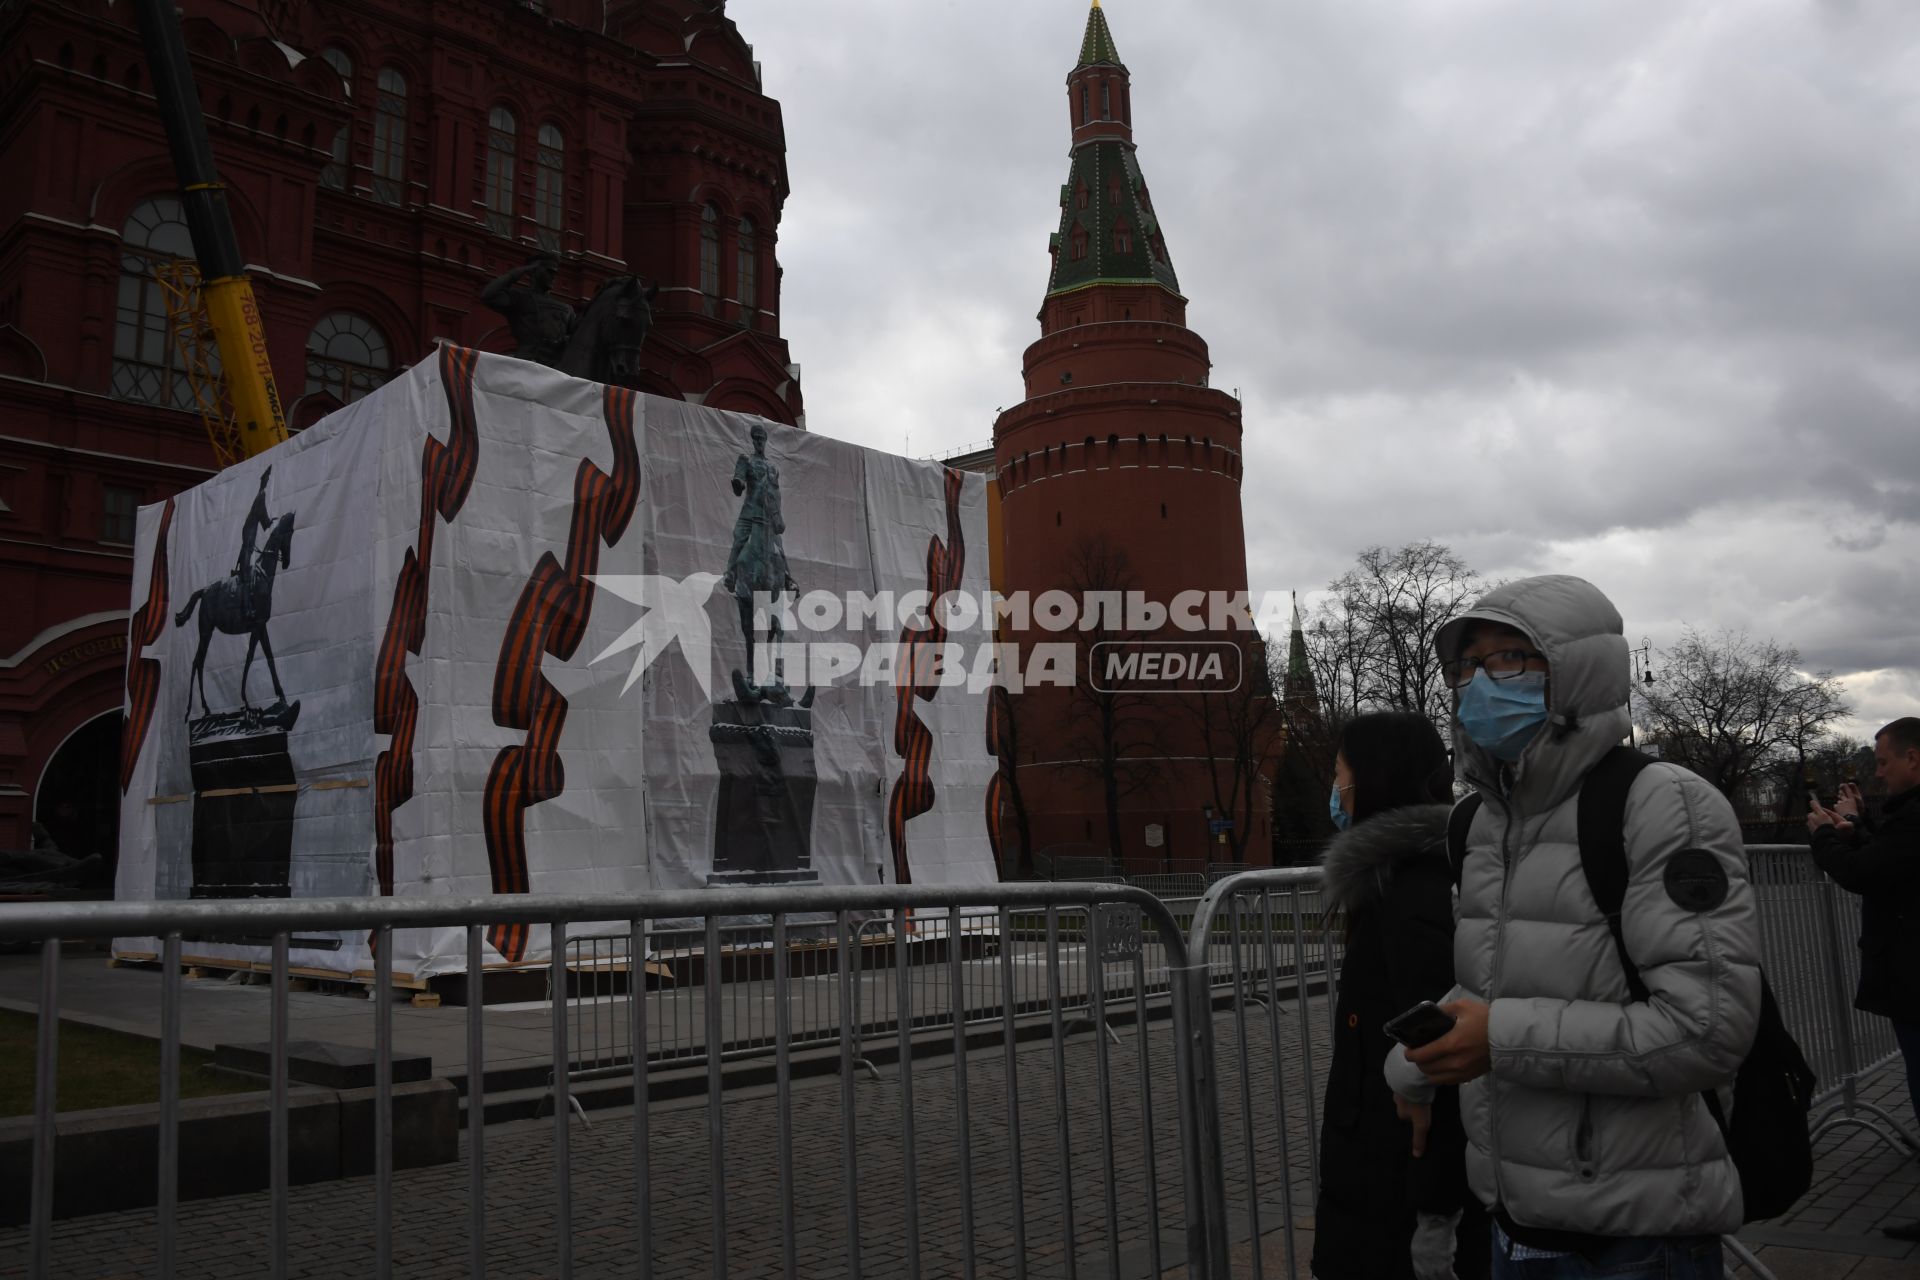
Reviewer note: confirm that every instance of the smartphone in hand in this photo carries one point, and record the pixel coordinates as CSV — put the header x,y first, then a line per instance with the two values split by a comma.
x,y
1422,1024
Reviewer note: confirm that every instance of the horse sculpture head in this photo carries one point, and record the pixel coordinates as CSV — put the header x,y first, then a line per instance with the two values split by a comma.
x,y
280,542
606,345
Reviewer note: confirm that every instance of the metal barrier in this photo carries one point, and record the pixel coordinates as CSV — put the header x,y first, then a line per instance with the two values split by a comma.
x,y
902,1203
888,976
1808,932
1270,925
601,978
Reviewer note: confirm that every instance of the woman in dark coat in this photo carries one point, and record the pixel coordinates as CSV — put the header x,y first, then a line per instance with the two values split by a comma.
x,y
1384,1214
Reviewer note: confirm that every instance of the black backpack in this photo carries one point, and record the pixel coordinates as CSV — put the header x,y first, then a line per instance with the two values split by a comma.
x,y
1769,1140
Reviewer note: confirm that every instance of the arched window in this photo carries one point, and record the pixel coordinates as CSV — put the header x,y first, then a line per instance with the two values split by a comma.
x,y
710,257
1106,99
1122,237
1083,103
347,357
342,61
146,366
1082,197
748,255
502,143
549,190
390,137
1079,242
336,173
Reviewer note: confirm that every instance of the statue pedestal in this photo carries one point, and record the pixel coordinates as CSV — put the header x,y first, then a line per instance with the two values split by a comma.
x,y
763,823
243,801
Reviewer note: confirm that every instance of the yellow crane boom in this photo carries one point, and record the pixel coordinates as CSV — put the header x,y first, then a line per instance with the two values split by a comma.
x,y
219,289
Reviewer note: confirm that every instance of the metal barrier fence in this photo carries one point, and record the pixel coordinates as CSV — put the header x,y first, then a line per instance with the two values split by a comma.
x,y
1195,1151
1147,1213
1264,919
1808,932
601,977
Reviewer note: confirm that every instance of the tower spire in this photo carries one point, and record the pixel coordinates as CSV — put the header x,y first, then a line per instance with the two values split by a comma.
x,y
1299,682
1097,47
1108,233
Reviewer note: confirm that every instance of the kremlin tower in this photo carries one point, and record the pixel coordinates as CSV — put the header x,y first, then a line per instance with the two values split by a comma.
x,y
1120,471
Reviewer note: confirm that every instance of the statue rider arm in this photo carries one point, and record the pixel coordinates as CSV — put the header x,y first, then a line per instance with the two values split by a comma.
x,y
739,475
499,293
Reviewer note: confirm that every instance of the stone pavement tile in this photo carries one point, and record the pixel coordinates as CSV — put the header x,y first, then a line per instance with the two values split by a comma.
x,y
1886,1269
1801,1264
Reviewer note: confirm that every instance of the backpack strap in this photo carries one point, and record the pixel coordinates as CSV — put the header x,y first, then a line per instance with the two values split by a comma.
x,y
1602,822
1457,824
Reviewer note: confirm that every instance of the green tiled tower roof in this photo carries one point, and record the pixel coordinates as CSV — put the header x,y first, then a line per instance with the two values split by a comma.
x,y
1106,195
1108,232
1098,46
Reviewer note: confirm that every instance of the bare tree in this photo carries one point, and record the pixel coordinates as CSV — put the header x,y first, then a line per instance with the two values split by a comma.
x,y
1341,648
1819,764
1372,642
1244,732
1729,708
1003,741
1112,733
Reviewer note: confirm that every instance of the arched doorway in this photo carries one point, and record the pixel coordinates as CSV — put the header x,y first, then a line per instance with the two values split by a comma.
x,y
78,799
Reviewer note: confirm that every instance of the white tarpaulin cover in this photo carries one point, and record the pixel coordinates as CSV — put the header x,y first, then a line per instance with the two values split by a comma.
x,y
441,591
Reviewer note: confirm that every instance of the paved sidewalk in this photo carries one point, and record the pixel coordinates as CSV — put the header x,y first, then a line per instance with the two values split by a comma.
x,y
1861,1184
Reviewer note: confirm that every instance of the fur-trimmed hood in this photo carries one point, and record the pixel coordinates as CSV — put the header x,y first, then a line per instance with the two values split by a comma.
x,y
1359,863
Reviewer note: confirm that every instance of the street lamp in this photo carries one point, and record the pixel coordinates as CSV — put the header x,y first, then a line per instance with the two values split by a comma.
x,y
1642,659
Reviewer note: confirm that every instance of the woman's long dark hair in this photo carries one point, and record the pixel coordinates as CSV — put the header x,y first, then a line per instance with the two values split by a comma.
x,y
1397,759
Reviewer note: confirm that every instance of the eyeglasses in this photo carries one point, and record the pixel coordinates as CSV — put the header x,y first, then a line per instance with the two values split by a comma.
x,y
1502,665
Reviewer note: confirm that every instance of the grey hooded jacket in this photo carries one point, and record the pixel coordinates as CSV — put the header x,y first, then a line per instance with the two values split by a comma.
x,y
1591,1119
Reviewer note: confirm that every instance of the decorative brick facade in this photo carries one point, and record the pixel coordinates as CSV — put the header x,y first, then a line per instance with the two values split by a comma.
x,y
385,159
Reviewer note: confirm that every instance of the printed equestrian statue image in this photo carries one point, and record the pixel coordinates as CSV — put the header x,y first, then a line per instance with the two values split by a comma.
x,y
242,604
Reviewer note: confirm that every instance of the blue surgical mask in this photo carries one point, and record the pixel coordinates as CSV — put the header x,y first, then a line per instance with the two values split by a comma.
x,y
1502,716
1341,818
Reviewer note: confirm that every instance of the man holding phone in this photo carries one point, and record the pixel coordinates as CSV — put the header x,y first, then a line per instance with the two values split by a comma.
x,y
1587,1136
1882,865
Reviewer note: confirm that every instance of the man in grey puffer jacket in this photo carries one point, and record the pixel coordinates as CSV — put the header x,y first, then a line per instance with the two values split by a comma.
x,y
1588,1137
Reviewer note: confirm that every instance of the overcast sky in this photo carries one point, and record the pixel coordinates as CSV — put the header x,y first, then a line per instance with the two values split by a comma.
x,y
1628,289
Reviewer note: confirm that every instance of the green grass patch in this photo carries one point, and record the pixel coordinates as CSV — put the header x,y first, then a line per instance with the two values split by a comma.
x,y
101,1068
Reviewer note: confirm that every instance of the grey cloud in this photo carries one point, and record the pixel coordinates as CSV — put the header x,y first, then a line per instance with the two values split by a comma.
x,y
1628,288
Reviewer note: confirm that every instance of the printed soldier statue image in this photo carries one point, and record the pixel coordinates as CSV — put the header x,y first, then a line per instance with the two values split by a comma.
x,y
762,740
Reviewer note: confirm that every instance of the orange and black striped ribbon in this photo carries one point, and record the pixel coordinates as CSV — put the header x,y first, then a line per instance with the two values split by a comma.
x,y
550,619
913,791
446,476
999,710
143,674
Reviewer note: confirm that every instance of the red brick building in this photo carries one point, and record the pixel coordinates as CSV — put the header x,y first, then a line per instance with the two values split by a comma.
x,y
1121,472
385,159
